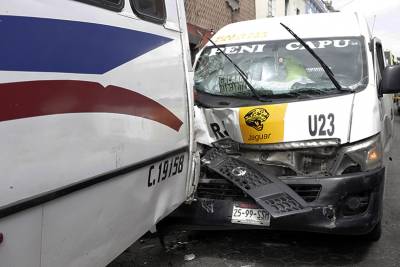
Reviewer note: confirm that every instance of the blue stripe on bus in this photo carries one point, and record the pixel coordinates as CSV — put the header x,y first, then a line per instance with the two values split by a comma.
x,y
51,45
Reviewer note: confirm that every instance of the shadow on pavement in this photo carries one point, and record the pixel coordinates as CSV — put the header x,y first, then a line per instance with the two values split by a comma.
x,y
265,248
246,248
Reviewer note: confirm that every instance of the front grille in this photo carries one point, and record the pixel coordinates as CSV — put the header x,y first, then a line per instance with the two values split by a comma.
x,y
219,189
309,192
282,203
222,189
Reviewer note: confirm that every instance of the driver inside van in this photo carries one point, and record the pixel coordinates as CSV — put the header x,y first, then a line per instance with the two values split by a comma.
x,y
278,73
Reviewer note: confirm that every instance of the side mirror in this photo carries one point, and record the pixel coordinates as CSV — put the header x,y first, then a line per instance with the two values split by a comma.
x,y
390,83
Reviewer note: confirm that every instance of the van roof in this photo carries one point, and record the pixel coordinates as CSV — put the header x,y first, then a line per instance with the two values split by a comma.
x,y
323,25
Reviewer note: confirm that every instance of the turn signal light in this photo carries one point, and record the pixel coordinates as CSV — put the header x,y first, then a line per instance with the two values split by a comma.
x,y
373,155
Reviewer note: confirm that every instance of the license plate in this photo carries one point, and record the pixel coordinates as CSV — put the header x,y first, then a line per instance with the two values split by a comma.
x,y
250,216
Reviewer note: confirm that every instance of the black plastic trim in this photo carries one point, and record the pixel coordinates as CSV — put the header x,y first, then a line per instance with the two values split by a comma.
x,y
334,190
148,17
105,4
37,200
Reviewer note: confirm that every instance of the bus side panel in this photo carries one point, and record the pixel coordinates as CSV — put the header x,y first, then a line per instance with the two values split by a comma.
x,y
89,132
45,153
93,226
22,235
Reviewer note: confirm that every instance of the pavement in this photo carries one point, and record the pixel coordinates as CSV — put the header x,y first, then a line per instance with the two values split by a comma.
x,y
267,248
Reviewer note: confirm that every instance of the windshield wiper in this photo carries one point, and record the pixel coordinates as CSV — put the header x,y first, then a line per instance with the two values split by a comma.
x,y
239,70
313,91
327,70
295,94
319,91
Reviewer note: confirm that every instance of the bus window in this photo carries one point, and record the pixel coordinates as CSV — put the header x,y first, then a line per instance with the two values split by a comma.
x,y
151,10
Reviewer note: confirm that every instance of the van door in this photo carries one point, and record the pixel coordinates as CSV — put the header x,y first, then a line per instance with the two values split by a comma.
x,y
385,101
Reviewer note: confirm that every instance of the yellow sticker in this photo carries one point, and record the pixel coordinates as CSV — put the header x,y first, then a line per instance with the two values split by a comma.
x,y
262,124
240,37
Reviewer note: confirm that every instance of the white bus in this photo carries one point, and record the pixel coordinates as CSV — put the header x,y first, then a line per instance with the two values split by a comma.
x,y
95,125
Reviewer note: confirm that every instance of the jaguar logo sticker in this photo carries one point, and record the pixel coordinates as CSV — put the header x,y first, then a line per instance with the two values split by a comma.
x,y
256,117
262,124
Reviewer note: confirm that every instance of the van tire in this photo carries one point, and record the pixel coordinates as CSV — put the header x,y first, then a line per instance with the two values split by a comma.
x,y
375,233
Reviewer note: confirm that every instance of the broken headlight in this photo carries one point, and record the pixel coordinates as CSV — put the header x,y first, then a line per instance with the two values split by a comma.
x,y
362,156
227,145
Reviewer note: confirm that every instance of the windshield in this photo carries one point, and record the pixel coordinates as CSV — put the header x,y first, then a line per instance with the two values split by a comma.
x,y
281,67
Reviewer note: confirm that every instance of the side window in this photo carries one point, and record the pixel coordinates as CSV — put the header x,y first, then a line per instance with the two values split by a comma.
x,y
381,62
151,10
114,5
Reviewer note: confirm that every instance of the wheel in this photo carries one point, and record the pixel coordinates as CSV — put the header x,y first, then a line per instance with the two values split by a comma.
x,y
375,233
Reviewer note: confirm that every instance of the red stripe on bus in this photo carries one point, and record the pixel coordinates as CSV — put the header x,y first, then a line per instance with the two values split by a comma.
x,y
40,98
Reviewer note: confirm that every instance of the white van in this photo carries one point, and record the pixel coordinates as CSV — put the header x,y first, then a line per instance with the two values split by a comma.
x,y
322,144
95,125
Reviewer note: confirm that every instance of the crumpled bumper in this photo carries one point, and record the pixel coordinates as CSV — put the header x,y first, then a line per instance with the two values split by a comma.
x,y
346,204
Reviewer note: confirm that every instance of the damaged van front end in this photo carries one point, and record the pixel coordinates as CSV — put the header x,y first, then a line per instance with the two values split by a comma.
x,y
284,145
340,186
329,187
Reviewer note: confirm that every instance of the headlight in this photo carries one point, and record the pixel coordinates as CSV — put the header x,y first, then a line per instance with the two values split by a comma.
x,y
367,154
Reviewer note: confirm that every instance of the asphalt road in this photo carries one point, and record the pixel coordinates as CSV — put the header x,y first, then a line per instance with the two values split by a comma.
x,y
259,248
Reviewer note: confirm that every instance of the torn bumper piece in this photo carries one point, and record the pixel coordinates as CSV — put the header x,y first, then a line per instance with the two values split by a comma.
x,y
348,204
268,192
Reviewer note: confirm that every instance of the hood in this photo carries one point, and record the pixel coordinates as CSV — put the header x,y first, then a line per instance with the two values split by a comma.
x,y
327,118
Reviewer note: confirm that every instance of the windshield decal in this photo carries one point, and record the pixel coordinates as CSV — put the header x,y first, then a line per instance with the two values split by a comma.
x,y
231,84
263,124
321,44
240,37
239,49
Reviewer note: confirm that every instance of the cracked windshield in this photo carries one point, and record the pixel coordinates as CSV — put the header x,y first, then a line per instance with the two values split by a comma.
x,y
281,67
